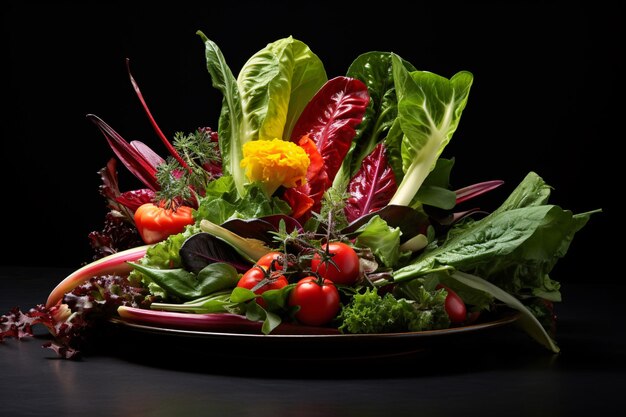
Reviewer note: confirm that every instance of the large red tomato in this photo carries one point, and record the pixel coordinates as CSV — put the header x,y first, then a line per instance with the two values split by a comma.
x,y
155,222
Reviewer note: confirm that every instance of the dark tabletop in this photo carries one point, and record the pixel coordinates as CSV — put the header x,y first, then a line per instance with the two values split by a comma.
x,y
498,371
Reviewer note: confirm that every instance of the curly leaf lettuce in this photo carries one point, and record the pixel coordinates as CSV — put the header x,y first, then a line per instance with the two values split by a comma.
x,y
370,312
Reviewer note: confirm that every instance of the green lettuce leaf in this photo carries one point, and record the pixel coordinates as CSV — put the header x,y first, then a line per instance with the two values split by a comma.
x,y
230,125
222,202
515,247
384,241
429,111
275,85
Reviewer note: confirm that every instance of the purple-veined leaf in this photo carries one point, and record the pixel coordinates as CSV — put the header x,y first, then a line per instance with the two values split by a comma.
x,y
129,155
474,190
258,229
330,119
203,249
155,126
372,187
135,198
110,186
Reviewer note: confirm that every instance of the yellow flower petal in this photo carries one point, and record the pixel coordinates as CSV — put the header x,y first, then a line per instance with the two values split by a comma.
x,y
274,163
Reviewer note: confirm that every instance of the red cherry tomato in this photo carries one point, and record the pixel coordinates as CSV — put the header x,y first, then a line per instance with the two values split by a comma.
x,y
319,302
266,260
455,306
155,222
347,270
255,275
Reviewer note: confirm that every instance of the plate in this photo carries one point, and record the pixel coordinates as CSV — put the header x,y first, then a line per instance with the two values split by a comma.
x,y
299,347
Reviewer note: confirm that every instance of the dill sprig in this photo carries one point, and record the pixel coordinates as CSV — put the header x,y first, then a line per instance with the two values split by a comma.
x,y
199,150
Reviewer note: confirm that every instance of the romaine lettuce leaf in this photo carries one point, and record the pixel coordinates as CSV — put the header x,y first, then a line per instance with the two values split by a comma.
x,y
429,111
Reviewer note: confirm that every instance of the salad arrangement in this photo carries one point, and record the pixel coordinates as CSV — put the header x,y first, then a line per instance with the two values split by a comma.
x,y
319,205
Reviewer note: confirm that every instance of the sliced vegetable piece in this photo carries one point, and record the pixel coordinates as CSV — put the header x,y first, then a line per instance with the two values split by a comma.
x,y
217,322
214,322
112,264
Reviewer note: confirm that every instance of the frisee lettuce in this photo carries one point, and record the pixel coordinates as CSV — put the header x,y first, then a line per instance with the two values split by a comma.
x,y
369,312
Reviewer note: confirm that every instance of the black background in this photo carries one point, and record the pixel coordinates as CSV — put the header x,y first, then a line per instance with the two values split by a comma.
x,y
547,96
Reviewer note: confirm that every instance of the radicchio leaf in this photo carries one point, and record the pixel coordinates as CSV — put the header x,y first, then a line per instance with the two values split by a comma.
x,y
134,160
203,248
117,235
372,187
376,71
109,188
135,198
330,119
251,229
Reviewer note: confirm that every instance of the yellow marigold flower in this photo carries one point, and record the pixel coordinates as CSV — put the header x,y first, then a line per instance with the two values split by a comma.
x,y
274,163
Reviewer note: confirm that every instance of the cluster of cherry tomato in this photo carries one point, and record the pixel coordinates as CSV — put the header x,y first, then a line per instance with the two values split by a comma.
x,y
316,294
